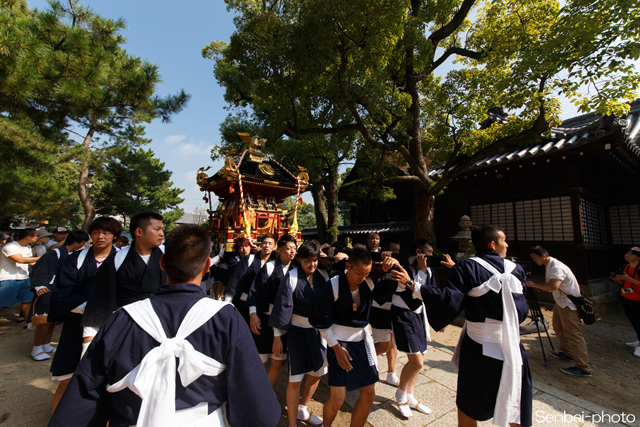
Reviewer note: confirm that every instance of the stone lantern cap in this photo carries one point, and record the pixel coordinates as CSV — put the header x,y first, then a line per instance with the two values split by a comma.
x,y
465,233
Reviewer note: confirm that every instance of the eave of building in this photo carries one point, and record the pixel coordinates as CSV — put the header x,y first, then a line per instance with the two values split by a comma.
x,y
381,228
574,136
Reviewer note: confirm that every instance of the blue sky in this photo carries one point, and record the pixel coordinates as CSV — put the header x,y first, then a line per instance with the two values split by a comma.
x,y
172,34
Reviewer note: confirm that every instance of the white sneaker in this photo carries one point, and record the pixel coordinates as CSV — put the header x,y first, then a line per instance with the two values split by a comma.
x,y
633,344
636,352
392,379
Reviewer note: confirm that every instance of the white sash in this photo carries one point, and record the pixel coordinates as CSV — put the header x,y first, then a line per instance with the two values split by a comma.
x,y
270,267
501,339
154,378
81,257
351,334
323,273
120,256
422,277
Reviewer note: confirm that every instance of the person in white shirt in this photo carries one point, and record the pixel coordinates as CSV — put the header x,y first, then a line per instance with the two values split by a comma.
x,y
15,259
566,321
39,248
59,234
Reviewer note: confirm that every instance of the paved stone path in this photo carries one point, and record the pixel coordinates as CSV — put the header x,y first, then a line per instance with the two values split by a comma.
x,y
436,388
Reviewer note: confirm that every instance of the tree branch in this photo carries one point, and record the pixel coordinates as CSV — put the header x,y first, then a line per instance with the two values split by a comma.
x,y
437,36
291,130
537,128
451,51
410,179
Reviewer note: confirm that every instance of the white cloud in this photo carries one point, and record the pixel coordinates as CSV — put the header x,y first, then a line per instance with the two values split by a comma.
x,y
178,144
200,149
174,139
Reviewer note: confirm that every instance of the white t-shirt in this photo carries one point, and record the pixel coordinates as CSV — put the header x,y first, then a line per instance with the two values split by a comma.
x,y
11,270
355,295
568,283
50,243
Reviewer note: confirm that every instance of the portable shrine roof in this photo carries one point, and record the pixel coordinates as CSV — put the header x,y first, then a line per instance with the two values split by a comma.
x,y
257,171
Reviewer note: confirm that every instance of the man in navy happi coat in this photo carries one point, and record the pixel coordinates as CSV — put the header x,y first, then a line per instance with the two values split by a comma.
x,y
71,289
130,374
341,313
42,276
239,285
489,299
132,275
262,296
306,350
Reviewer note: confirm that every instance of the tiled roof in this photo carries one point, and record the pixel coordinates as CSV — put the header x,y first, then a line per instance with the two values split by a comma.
x,y
364,229
573,132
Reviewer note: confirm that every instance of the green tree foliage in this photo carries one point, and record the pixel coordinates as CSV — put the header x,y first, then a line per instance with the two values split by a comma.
x,y
306,212
333,66
30,121
134,181
63,72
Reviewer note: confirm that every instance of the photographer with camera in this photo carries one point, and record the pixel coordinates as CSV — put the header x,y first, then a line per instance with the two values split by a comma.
x,y
566,320
629,278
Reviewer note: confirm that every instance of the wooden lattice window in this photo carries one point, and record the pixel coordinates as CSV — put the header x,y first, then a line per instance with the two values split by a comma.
x,y
546,219
625,224
500,214
594,222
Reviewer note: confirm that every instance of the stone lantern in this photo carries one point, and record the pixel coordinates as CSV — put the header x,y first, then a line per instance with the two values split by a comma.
x,y
463,237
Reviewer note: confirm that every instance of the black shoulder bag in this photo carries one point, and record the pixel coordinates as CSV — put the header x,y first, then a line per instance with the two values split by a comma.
x,y
586,309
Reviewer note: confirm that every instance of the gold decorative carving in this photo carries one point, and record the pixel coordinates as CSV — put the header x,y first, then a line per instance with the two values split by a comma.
x,y
252,142
267,170
201,177
303,175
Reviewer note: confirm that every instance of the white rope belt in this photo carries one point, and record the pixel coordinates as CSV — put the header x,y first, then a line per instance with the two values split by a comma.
x,y
351,334
300,321
198,416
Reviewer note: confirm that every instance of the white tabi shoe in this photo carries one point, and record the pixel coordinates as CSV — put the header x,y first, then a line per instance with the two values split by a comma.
x,y
309,418
392,379
405,409
48,348
39,354
420,407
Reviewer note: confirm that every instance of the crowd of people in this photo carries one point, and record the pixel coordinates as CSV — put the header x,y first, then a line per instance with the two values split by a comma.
x,y
129,311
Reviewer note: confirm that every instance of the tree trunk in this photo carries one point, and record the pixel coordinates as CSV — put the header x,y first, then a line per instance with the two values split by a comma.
x,y
87,206
422,216
331,189
317,191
